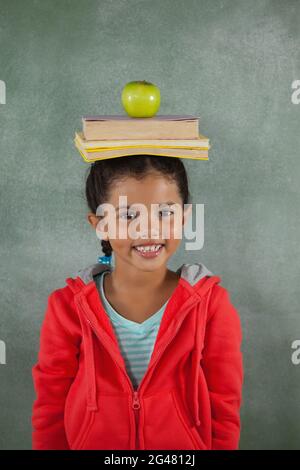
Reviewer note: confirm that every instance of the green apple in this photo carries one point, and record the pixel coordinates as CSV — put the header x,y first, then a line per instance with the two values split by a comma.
x,y
141,99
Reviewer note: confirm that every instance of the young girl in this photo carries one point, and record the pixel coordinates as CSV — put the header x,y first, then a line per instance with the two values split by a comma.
x,y
135,355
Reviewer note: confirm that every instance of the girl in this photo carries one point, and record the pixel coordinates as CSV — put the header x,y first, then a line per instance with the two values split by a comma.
x,y
134,355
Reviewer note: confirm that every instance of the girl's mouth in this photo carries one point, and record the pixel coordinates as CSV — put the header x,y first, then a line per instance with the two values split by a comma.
x,y
151,251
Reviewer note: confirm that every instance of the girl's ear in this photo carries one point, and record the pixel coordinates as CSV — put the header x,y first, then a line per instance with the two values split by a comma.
x,y
187,212
93,219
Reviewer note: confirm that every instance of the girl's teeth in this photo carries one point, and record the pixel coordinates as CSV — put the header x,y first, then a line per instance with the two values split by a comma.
x,y
148,248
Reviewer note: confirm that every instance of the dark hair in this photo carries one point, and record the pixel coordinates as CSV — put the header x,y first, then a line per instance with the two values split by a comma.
x,y
103,173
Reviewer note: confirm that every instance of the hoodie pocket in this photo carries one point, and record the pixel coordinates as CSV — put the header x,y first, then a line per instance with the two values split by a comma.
x,y
107,428
165,424
192,431
84,430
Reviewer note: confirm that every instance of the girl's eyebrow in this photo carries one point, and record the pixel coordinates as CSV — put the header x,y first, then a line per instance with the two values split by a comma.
x,y
170,203
160,204
122,207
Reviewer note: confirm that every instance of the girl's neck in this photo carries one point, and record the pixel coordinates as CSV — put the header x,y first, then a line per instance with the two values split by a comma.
x,y
138,296
125,280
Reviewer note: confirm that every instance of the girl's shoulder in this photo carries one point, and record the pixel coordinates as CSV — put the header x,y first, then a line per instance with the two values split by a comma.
x,y
61,313
221,306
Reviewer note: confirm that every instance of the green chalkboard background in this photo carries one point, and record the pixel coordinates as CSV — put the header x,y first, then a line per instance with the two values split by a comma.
x,y
231,62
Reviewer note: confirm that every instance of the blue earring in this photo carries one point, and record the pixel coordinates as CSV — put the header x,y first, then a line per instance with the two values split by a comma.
x,y
104,259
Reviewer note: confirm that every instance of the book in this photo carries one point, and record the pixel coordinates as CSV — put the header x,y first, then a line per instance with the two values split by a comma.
x,y
119,127
106,153
200,143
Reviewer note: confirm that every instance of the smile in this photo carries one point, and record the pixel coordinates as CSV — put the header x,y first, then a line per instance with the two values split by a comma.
x,y
150,251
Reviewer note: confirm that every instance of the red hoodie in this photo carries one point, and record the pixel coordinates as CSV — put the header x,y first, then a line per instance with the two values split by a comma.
x,y
189,397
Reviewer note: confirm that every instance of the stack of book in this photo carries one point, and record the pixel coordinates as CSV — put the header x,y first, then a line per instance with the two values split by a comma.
x,y
118,136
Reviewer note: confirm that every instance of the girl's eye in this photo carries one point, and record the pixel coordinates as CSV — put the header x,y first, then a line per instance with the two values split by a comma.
x,y
131,215
127,215
166,212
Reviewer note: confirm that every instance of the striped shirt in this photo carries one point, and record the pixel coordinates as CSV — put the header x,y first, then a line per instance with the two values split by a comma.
x,y
136,340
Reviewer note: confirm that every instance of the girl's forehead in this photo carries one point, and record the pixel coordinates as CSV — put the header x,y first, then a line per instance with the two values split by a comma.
x,y
149,189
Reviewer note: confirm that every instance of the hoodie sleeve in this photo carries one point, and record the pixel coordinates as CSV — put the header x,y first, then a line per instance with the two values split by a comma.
x,y
52,377
222,365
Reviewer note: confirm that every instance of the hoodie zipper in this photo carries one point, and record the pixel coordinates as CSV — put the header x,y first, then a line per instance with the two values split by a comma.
x,y
136,406
136,403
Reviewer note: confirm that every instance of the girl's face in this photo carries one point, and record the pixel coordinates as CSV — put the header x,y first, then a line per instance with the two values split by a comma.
x,y
150,217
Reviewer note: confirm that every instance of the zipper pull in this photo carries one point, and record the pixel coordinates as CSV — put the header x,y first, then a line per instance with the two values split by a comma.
x,y
136,402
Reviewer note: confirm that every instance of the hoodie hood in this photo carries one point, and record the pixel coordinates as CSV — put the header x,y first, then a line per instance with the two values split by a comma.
x,y
195,286
191,273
